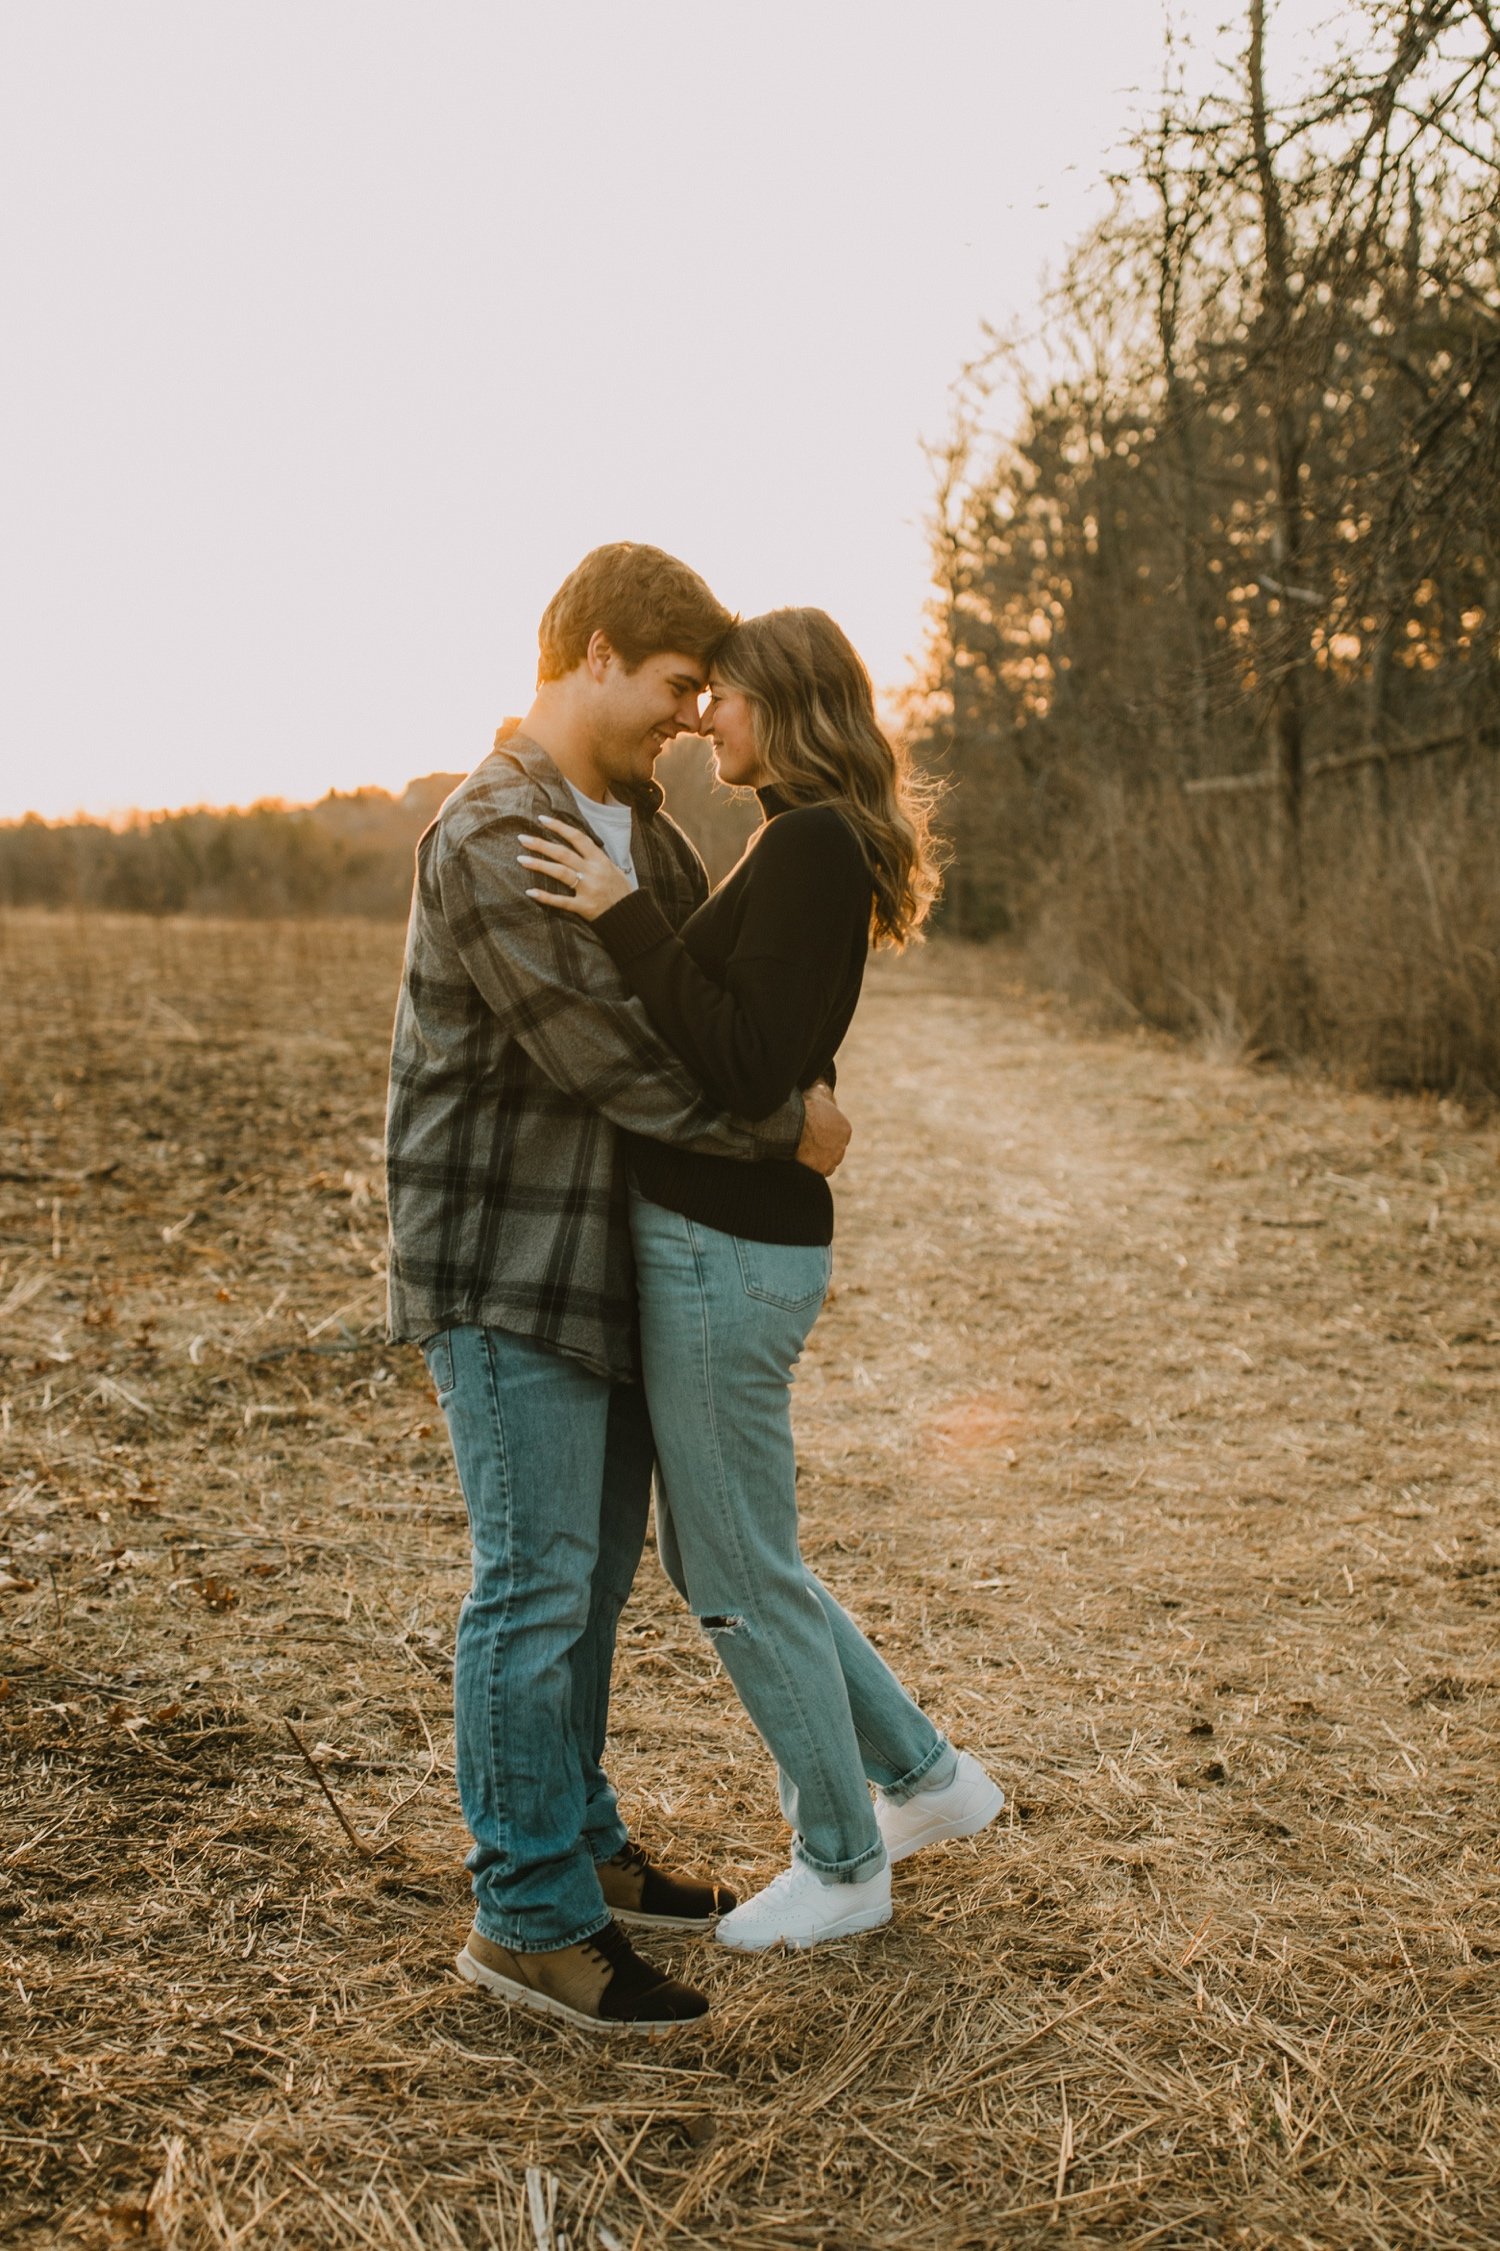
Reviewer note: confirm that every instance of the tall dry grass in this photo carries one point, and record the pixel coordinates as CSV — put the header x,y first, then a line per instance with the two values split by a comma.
x,y
1182,913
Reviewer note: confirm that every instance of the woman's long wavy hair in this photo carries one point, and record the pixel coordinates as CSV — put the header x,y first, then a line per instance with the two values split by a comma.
x,y
821,744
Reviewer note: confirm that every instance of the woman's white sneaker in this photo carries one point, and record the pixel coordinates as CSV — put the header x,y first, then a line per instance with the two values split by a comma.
x,y
796,1909
961,1808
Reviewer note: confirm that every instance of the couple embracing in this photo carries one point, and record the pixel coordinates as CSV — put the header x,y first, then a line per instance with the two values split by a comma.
x,y
610,1129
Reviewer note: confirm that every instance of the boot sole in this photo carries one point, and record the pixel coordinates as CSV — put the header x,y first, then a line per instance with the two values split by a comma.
x,y
849,1927
543,2004
638,1922
943,1832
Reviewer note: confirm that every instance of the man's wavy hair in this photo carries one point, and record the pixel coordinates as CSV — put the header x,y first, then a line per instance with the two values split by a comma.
x,y
643,598
821,744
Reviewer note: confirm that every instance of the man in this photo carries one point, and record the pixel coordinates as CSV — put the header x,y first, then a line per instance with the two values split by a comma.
x,y
517,1057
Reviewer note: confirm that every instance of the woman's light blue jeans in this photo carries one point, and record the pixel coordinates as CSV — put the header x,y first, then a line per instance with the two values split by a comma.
x,y
555,1464
723,1321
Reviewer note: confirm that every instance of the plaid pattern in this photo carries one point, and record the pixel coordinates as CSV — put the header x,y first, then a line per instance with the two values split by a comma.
x,y
517,1057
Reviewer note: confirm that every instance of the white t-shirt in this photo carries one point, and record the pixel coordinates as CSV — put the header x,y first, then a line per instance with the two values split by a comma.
x,y
610,822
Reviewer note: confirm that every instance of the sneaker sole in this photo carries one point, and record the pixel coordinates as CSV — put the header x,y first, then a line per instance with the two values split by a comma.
x,y
543,2004
943,1832
849,1927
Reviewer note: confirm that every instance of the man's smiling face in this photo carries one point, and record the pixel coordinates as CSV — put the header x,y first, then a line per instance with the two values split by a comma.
x,y
638,713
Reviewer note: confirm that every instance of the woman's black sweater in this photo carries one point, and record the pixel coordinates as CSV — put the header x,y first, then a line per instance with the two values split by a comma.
x,y
755,993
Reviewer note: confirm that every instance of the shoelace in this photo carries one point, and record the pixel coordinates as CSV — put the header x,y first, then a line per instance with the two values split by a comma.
x,y
613,1948
790,1879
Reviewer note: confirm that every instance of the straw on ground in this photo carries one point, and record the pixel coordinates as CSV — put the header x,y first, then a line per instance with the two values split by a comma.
x,y
1151,1430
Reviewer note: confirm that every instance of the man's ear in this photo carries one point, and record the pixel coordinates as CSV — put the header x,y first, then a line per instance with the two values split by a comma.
x,y
600,654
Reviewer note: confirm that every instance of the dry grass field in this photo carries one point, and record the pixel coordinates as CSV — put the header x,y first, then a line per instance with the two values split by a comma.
x,y
1151,1429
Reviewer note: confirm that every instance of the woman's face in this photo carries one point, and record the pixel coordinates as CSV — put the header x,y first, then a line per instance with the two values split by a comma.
x,y
729,721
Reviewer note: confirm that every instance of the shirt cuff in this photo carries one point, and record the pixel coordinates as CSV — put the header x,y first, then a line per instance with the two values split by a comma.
x,y
782,1132
632,926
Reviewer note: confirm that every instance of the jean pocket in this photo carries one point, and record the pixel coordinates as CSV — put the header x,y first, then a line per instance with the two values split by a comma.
x,y
792,1275
437,1351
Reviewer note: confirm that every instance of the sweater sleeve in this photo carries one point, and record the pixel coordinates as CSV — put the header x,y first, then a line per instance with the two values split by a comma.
x,y
559,998
747,1039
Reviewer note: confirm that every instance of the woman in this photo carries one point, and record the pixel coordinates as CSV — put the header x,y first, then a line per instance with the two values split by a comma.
x,y
733,1260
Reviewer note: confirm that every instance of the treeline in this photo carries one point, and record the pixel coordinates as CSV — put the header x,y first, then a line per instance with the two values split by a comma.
x,y
349,854
1215,671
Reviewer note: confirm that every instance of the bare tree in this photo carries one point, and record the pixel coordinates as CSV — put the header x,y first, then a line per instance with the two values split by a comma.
x,y
1235,557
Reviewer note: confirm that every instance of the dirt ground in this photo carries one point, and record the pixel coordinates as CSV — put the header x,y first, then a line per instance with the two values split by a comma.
x,y
1151,1429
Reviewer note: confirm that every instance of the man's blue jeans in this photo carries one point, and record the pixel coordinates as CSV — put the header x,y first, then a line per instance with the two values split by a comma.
x,y
723,1321
555,1464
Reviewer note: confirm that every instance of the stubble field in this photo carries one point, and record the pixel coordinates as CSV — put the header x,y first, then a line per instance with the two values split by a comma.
x,y
1151,1429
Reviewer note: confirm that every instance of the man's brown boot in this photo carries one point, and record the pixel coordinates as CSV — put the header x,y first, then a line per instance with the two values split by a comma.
x,y
602,1983
651,1898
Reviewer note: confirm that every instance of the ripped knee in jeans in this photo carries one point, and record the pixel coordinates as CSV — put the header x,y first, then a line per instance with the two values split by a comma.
x,y
722,1625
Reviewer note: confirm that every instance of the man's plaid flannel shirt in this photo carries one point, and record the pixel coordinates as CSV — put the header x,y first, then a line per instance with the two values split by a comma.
x,y
517,1054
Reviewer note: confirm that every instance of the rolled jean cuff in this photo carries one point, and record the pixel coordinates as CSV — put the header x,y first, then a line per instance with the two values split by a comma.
x,y
842,1871
527,1942
602,1851
909,1784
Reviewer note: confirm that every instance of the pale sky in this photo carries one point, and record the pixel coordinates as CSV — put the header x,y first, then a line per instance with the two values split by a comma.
x,y
338,330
